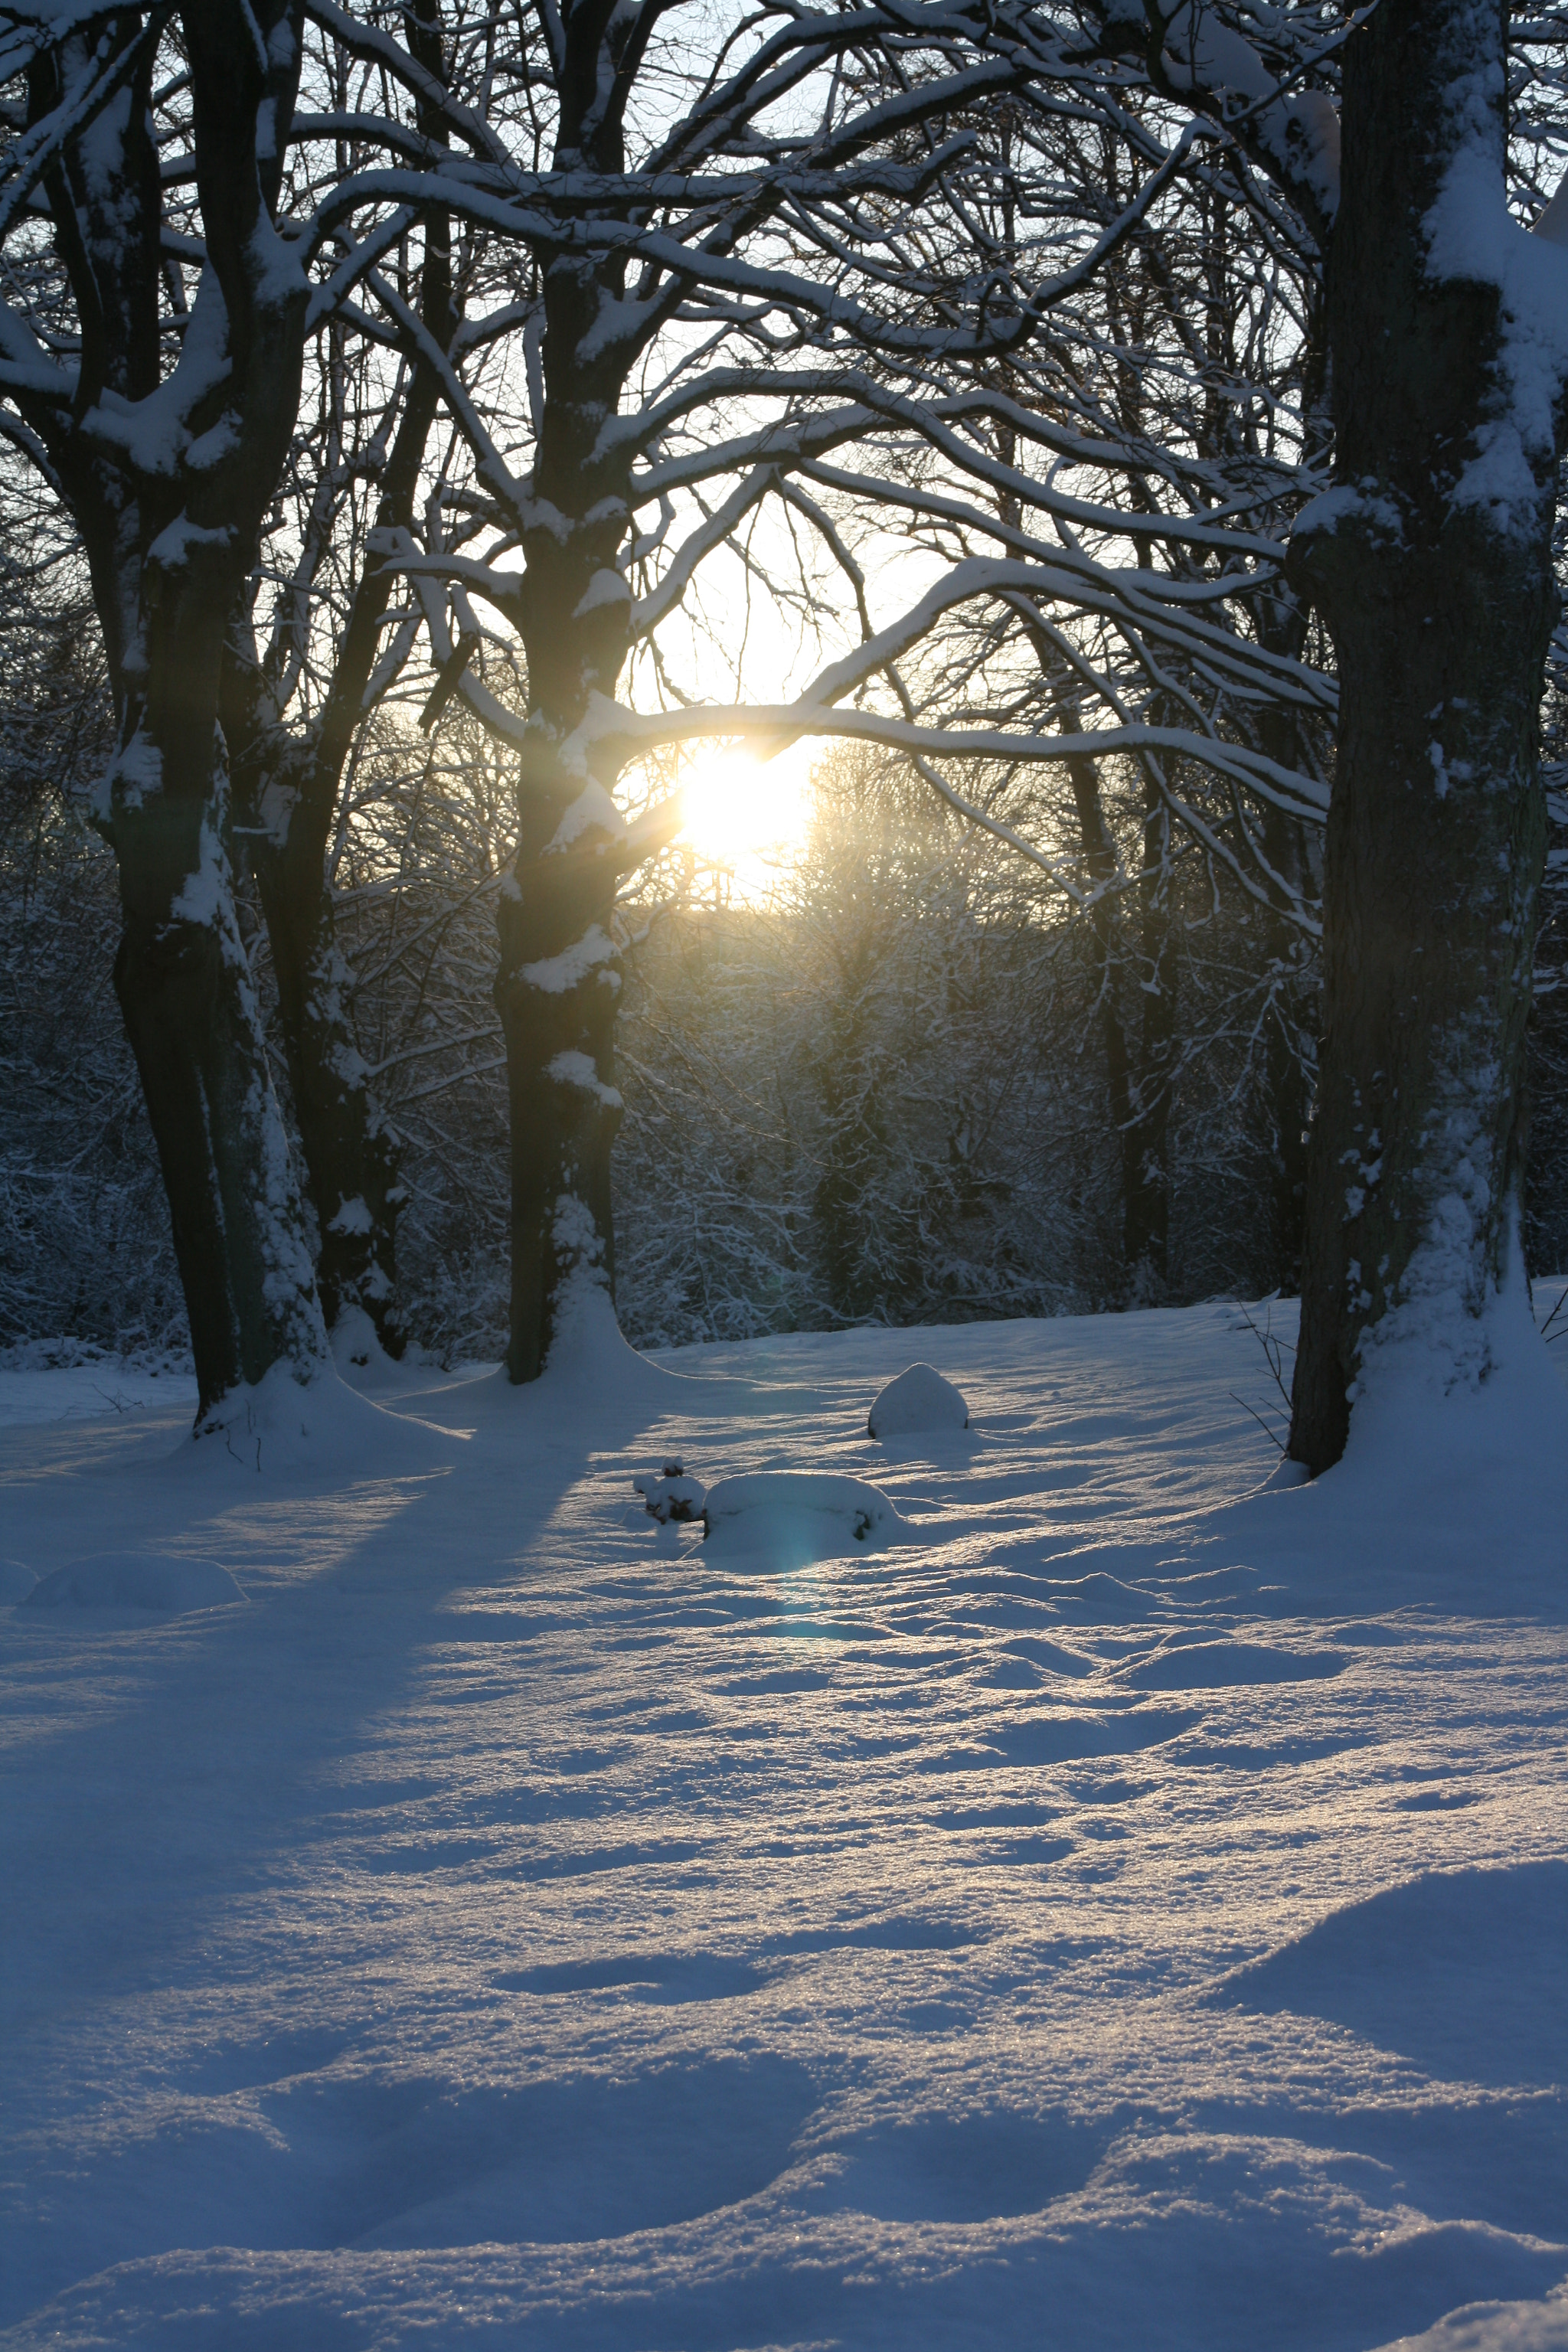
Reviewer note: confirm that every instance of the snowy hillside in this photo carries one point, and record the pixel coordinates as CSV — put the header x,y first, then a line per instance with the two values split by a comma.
x,y
1107,1906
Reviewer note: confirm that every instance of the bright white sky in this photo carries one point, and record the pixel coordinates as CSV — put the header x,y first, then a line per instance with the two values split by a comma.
x,y
748,816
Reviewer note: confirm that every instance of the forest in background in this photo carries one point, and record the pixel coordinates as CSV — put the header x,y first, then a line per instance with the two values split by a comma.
x,y
877,1095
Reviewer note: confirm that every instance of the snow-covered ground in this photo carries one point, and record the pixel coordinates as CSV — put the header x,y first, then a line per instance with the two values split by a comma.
x,y
87,1392
1124,1909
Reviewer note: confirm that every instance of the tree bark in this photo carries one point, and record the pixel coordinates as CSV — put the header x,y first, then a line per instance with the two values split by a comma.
x,y
350,1152
1108,967
1140,1208
1433,574
1287,1068
556,990
184,990
1147,1138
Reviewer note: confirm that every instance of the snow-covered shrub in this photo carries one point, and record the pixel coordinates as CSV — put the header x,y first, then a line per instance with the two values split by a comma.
x,y
786,1518
672,1498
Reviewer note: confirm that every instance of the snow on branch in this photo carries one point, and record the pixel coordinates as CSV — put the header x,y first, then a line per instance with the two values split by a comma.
x,y
109,67
1196,55
629,736
368,42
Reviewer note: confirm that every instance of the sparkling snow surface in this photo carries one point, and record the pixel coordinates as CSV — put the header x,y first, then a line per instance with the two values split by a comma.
x,y
1117,1914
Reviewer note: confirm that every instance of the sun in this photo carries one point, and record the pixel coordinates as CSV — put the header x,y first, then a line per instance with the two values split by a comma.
x,y
749,815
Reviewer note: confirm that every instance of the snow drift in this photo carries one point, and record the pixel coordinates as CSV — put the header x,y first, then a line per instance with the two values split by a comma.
x,y
129,1579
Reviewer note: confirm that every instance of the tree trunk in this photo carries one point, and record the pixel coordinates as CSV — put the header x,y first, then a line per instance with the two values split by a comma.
x,y
1146,1137
1290,1017
289,791
351,1153
557,989
1432,565
559,975
1286,1099
184,990
1097,845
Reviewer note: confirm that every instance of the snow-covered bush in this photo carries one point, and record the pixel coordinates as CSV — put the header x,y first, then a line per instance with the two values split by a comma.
x,y
786,1518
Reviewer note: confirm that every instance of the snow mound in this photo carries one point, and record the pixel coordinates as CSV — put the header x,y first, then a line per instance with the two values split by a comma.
x,y
919,1399
796,1516
355,1345
1454,1475
363,1363
591,1367
16,1580
590,1350
1496,2328
133,1580
284,1425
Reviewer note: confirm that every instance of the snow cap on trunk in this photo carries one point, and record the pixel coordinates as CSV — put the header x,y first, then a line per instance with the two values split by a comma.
x,y
1472,237
592,811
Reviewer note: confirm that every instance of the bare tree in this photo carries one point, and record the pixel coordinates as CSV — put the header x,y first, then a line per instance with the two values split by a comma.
x,y
1430,558
1137,469
191,199
299,690
772,211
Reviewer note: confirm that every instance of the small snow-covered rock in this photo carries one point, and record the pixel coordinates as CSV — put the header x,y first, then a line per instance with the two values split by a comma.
x,y
917,1399
133,1580
672,1495
16,1580
796,1516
